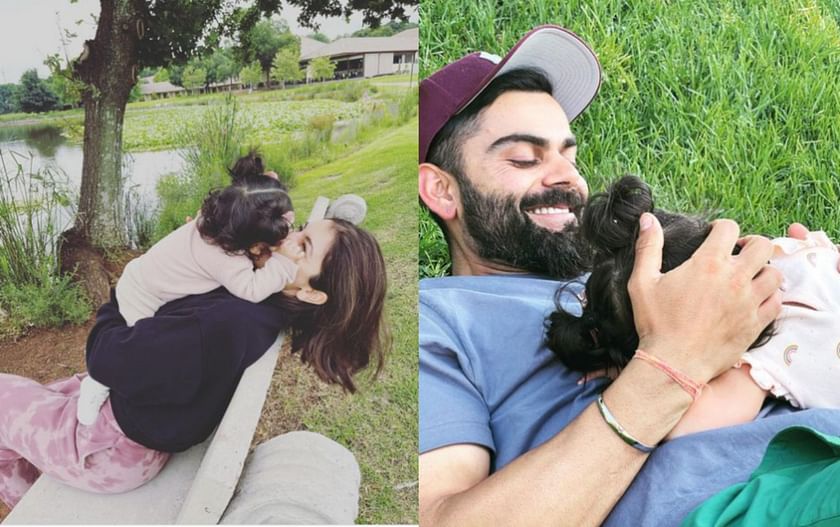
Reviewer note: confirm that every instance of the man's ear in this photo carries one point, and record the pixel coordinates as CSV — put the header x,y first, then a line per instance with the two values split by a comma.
x,y
311,296
438,190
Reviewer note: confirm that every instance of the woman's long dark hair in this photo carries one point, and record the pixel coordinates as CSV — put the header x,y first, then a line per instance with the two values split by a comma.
x,y
346,333
604,337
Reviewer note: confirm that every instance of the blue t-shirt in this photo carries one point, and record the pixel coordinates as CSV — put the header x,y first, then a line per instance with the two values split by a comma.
x,y
487,378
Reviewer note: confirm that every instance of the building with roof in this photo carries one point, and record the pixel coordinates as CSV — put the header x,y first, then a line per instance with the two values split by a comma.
x,y
157,90
365,56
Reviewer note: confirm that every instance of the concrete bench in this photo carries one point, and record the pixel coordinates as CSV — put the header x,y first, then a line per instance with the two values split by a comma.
x,y
195,486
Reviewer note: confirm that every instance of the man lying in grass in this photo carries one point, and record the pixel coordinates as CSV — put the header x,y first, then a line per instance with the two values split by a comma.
x,y
507,435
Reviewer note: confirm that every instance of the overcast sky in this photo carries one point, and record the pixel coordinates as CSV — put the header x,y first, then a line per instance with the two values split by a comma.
x,y
29,31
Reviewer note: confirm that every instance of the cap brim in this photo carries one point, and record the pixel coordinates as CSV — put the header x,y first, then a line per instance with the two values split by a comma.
x,y
570,65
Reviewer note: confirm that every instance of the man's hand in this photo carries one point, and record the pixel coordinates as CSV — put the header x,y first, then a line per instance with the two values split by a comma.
x,y
702,315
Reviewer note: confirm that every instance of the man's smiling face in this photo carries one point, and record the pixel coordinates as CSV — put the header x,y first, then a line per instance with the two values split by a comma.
x,y
524,149
520,188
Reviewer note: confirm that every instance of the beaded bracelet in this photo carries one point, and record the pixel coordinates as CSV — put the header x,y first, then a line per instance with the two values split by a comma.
x,y
619,430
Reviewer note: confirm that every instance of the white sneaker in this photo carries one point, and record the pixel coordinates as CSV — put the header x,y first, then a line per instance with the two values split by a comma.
x,y
92,395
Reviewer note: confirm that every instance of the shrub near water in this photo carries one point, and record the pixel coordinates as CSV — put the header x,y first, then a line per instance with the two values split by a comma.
x,y
214,143
31,291
730,107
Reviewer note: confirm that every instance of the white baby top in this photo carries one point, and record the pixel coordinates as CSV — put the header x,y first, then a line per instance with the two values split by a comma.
x,y
801,363
183,264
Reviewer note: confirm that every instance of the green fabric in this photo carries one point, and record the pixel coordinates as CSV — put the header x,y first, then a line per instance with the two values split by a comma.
x,y
797,484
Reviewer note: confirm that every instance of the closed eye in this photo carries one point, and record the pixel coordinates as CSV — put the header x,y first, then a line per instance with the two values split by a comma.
x,y
523,163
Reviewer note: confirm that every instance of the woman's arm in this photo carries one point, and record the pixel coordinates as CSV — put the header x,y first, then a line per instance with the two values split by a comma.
x,y
691,318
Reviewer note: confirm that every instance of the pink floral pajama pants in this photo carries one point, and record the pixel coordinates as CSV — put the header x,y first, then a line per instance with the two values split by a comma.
x,y
39,433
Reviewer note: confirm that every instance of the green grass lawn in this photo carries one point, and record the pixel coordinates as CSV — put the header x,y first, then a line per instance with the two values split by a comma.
x,y
379,424
729,107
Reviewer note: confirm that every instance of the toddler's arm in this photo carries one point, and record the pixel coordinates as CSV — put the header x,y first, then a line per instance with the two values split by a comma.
x,y
729,399
255,285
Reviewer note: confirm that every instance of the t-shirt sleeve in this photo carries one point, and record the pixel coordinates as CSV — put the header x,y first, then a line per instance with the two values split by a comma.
x,y
452,409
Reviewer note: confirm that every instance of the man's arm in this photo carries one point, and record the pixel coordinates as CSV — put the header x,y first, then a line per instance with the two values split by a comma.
x,y
698,318
573,479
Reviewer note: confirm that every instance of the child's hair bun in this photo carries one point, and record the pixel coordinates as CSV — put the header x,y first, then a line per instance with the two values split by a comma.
x,y
611,219
246,167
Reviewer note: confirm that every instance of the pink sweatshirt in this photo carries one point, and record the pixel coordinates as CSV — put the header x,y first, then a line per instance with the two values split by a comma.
x,y
183,264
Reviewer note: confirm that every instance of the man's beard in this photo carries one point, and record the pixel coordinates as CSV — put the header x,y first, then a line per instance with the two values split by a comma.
x,y
503,232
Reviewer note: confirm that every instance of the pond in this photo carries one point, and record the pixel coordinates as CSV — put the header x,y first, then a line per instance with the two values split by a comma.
x,y
49,161
41,147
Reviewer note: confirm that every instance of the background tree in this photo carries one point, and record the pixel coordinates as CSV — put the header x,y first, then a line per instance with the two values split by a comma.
x,y
286,66
251,74
34,95
161,75
8,98
221,65
385,30
322,68
194,77
264,41
62,84
175,73
135,94
320,37
132,35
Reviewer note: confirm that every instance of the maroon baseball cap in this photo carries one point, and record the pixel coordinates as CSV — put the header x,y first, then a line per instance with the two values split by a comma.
x,y
570,65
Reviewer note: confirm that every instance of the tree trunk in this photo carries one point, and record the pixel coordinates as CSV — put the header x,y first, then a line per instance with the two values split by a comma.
x,y
109,70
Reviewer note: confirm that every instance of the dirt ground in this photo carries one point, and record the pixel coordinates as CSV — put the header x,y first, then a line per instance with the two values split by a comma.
x,y
48,354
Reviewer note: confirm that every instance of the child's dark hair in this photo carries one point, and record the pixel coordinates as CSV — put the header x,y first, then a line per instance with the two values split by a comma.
x,y
604,337
246,213
346,333
247,167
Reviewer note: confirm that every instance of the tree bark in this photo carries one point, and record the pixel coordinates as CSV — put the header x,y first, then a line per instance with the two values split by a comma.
x,y
109,69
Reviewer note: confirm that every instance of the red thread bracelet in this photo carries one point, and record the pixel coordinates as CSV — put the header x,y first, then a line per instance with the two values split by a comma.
x,y
686,383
